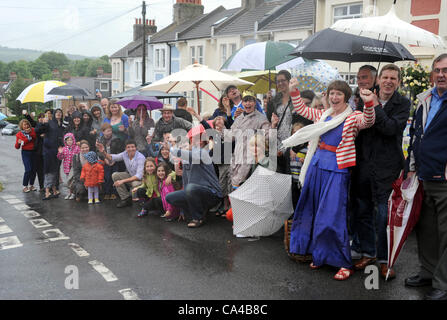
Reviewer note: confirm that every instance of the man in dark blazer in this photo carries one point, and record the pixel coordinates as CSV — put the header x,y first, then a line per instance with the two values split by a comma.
x,y
380,159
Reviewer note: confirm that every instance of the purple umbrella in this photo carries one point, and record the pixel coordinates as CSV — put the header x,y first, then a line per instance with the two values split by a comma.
x,y
133,102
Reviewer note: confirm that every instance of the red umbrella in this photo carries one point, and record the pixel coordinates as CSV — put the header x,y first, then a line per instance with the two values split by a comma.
x,y
198,130
404,206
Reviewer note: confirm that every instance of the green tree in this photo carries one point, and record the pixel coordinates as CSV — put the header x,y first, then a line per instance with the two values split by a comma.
x,y
20,68
55,60
80,67
4,72
16,89
94,64
39,68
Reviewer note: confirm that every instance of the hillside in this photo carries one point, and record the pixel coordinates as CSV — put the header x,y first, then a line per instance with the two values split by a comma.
x,y
14,54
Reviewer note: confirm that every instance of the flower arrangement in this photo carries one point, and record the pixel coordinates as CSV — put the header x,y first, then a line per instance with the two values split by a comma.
x,y
415,79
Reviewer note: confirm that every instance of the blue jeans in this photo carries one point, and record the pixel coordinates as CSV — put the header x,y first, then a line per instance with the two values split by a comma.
x,y
29,159
194,200
369,229
108,187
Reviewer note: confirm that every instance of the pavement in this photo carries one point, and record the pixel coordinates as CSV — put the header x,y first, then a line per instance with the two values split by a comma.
x,y
64,250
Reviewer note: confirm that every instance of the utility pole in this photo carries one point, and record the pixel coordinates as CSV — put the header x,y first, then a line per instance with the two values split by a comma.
x,y
143,73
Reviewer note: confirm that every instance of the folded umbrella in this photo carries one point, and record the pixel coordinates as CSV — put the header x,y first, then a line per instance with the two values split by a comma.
x,y
404,207
70,90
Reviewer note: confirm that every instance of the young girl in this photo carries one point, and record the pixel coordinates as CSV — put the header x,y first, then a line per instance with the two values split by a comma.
x,y
66,154
149,187
163,170
25,139
93,176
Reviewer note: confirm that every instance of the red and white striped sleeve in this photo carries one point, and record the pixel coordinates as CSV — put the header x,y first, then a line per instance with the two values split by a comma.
x,y
300,108
367,118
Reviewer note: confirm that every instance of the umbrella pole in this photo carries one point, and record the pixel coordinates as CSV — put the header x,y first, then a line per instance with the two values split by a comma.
x,y
270,81
197,95
380,59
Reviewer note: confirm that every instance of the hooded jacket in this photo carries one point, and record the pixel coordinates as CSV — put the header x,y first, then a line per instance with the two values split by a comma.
x,y
83,131
68,152
97,123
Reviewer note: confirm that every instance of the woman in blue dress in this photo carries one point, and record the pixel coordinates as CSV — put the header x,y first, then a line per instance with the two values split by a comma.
x,y
320,221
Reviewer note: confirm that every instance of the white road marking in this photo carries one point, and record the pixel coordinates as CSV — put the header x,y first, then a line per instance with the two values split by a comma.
x,y
78,250
5,229
102,270
1,219
22,207
54,235
129,294
31,214
14,201
40,223
10,242
8,196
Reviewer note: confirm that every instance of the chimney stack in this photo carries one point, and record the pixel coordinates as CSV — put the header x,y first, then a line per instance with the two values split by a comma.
x,y
251,4
151,28
12,76
186,10
99,72
56,74
65,75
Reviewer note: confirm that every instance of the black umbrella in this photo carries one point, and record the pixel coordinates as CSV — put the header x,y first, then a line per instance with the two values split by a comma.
x,y
69,90
329,44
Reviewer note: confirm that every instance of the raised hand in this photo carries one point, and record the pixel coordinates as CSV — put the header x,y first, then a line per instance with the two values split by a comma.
x,y
293,84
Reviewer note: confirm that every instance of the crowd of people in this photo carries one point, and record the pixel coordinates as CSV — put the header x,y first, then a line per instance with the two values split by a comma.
x,y
342,149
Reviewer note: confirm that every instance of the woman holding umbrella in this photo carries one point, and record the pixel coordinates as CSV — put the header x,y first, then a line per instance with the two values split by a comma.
x,y
139,128
320,221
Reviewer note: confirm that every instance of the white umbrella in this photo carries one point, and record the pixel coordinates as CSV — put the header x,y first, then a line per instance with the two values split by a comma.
x,y
194,77
262,204
389,28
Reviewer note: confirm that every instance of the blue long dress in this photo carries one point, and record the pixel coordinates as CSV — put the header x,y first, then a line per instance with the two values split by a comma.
x,y
320,221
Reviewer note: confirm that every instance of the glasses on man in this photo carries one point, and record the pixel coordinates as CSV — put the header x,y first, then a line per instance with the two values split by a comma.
x,y
279,81
437,70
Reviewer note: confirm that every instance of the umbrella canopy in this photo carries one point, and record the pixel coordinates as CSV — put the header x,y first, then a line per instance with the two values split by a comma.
x,y
262,203
404,206
147,93
262,80
193,77
133,102
258,56
329,44
2,116
69,90
389,28
38,92
315,75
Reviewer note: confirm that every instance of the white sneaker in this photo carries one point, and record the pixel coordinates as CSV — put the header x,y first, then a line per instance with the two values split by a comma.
x,y
67,197
72,197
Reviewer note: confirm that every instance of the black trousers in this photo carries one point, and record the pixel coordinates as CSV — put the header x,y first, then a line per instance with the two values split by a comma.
x,y
150,204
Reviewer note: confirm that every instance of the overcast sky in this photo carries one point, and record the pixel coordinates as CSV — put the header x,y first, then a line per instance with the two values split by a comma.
x,y
86,27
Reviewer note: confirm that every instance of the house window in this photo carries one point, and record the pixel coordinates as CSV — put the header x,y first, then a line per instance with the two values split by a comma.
x,y
162,58
232,48
351,78
223,54
196,54
138,69
175,59
104,86
348,11
157,58
192,102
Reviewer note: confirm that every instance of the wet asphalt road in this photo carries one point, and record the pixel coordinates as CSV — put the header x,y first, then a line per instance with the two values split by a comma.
x,y
156,259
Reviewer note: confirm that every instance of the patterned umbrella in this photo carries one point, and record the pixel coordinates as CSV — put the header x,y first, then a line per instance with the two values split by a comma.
x,y
314,75
38,92
262,204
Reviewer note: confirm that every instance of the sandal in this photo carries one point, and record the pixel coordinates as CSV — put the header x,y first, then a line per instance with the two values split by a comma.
x,y
364,262
194,224
343,274
47,197
26,189
314,267
142,213
32,188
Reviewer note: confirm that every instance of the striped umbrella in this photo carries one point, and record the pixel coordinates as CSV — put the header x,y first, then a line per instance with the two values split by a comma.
x,y
258,56
38,92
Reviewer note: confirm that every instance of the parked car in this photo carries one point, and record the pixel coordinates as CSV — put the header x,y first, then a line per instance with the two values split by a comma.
x,y
3,123
10,129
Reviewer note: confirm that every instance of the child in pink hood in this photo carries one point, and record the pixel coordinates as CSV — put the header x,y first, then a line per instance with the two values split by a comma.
x,y
162,174
66,154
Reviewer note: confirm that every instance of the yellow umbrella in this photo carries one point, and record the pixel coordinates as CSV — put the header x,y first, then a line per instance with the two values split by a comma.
x,y
38,92
260,80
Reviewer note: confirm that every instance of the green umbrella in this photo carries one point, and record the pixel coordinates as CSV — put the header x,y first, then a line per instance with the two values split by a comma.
x,y
258,56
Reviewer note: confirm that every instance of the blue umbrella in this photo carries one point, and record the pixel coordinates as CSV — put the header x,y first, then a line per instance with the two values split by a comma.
x,y
2,116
